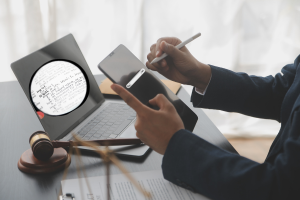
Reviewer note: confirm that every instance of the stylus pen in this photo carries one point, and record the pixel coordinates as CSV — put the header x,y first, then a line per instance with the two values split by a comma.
x,y
179,46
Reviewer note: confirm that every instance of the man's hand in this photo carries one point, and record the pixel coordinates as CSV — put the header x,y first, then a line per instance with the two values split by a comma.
x,y
154,128
180,65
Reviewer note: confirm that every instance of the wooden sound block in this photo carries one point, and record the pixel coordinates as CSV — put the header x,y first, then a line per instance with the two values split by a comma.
x,y
58,161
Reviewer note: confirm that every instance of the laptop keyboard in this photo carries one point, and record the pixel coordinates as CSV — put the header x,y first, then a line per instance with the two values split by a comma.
x,y
109,123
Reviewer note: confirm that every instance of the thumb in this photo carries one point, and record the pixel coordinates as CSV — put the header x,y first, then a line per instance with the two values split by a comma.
x,y
160,101
170,49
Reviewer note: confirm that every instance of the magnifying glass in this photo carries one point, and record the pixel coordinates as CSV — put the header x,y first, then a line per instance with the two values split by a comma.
x,y
58,88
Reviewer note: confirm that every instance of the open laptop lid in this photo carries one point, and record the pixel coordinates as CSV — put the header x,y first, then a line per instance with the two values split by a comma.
x,y
59,86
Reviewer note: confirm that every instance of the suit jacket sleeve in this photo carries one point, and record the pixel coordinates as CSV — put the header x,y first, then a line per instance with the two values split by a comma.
x,y
250,95
195,164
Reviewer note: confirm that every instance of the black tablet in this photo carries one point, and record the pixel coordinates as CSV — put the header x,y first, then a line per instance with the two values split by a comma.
x,y
123,68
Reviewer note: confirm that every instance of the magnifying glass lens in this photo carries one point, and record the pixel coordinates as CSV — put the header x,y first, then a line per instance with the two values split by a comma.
x,y
58,88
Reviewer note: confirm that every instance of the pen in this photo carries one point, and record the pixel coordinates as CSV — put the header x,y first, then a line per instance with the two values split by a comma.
x,y
179,46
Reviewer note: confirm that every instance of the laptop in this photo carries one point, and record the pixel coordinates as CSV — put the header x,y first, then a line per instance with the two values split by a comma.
x,y
66,98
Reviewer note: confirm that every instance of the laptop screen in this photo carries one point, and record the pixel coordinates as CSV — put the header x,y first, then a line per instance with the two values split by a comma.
x,y
59,85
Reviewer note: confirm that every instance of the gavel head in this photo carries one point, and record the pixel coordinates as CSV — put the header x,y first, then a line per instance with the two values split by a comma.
x,y
41,145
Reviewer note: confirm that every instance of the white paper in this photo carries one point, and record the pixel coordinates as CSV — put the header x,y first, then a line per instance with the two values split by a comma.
x,y
58,88
122,189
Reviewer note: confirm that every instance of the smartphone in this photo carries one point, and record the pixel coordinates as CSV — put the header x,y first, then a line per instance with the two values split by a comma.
x,y
122,67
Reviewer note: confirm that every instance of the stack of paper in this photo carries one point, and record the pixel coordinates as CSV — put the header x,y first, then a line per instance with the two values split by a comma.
x,y
122,189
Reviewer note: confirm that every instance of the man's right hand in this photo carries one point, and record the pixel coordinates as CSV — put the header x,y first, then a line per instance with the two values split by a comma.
x,y
180,65
154,127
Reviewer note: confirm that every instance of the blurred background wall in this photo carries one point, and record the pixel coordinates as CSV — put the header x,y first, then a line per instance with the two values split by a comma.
x,y
254,36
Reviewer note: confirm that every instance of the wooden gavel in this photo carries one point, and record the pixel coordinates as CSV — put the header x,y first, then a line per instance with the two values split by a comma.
x,y
42,147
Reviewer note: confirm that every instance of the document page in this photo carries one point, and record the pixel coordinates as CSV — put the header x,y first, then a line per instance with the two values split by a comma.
x,y
122,189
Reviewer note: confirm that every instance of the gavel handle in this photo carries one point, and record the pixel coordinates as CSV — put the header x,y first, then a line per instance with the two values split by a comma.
x,y
108,142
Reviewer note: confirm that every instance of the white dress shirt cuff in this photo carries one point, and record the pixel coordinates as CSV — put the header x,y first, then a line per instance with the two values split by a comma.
x,y
202,93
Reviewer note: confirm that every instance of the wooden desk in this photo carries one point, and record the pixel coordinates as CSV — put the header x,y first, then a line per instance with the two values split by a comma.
x,y
18,121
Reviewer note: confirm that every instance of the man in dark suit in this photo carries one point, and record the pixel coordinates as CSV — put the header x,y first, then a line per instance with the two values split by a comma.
x,y
194,163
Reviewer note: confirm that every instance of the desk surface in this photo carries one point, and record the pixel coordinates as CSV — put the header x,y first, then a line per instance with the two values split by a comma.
x,y
18,121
